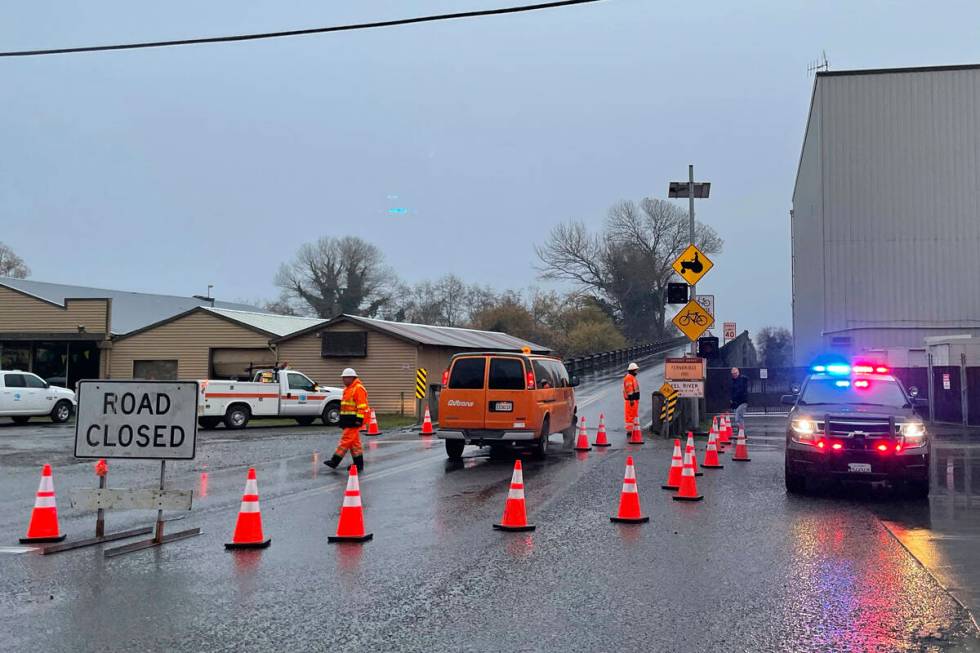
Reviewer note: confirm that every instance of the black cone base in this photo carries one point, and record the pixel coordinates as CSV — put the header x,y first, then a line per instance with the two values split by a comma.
x,y
697,498
627,520
604,444
713,466
249,545
53,538
349,538
514,529
670,487
741,460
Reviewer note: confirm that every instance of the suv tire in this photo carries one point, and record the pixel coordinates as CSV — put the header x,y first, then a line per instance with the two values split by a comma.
x,y
795,483
454,449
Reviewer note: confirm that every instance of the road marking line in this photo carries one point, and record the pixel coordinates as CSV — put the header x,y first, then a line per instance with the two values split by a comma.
x,y
17,549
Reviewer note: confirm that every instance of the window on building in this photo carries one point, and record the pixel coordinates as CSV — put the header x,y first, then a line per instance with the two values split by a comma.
x,y
15,355
840,341
467,374
506,374
343,344
155,370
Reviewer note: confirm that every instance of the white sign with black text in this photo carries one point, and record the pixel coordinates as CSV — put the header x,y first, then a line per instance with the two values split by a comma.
x,y
154,420
708,302
689,388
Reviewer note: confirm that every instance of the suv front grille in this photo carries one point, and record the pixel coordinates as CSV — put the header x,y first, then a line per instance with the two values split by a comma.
x,y
843,428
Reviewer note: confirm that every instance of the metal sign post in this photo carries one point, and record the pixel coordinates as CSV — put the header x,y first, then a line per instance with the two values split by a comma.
x,y
155,420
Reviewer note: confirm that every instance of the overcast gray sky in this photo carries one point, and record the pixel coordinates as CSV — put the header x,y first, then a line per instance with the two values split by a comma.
x,y
165,170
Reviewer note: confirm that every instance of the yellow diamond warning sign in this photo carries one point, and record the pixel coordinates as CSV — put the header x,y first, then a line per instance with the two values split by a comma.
x,y
693,320
666,389
692,264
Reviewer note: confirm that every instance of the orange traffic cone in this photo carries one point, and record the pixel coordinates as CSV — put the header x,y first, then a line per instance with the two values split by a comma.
x,y
629,498
350,528
689,486
515,515
711,454
373,425
248,528
694,453
44,517
426,423
600,435
726,431
583,437
676,468
741,448
714,431
636,435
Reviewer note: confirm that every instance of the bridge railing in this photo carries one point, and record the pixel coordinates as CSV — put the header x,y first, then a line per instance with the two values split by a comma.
x,y
602,360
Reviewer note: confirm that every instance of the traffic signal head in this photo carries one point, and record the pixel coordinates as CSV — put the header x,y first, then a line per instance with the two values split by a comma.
x,y
677,293
708,347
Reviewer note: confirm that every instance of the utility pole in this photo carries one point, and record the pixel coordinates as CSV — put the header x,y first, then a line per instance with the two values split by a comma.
x,y
694,292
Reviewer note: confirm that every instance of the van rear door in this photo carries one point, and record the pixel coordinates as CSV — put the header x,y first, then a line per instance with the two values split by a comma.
x,y
508,400
462,404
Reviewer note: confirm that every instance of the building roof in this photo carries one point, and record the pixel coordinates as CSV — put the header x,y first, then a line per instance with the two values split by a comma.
x,y
130,310
436,336
278,325
882,71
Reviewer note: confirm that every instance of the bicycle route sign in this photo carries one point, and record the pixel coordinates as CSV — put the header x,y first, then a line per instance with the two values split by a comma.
x,y
692,264
693,320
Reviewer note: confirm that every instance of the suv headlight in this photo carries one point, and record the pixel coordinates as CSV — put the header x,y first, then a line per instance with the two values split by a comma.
x,y
804,426
913,433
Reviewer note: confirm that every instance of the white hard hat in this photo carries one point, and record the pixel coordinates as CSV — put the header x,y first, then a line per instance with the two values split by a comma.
x,y
348,372
632,366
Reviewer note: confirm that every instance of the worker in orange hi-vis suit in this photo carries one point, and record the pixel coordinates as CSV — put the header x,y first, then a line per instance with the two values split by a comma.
x,y
631,396
353,410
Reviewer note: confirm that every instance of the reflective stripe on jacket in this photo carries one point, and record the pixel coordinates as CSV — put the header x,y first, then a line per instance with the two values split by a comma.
x,y
354,402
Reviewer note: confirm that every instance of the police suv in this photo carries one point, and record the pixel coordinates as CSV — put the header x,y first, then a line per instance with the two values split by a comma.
x,y
856,423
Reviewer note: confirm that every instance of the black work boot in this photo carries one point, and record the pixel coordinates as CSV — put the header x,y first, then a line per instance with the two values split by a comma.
x,y
333,462
359,463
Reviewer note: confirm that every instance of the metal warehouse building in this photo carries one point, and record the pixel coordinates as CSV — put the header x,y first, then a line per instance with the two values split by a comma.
x,y
886,213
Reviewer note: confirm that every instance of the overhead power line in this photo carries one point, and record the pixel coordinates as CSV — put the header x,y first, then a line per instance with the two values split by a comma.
x,y
298,32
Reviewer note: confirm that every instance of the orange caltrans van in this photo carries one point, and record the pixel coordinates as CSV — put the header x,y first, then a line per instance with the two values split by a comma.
x,y
506,399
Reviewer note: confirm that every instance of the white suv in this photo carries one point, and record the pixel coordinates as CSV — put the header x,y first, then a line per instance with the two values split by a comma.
x,y
24,395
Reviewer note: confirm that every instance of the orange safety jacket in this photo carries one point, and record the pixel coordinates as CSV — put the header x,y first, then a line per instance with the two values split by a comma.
x,y
353,405
631,388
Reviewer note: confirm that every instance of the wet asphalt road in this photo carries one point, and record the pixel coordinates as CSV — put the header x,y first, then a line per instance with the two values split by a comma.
x,y
748,569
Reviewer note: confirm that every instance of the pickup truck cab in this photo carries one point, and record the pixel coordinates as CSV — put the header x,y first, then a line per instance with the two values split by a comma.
x,y
270,394
24,395
506,400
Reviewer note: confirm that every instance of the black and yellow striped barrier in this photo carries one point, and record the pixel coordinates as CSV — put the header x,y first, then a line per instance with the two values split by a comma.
x,y
421,374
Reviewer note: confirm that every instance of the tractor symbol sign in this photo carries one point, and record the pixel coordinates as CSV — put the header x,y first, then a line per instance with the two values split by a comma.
x,y
692,264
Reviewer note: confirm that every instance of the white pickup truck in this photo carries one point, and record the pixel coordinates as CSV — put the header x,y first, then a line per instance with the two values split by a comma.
x,y
24,395
271,393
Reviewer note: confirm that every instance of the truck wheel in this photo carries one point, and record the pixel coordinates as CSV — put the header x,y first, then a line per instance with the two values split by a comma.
x,y
208,423
306,420
454,449
61,412
21,419
331,414
541,446
237,416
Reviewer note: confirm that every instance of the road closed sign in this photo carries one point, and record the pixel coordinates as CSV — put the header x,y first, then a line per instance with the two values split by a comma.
x,y
154,420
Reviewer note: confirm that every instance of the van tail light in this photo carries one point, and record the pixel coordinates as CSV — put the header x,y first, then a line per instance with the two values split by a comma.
x,y
530,380
445,378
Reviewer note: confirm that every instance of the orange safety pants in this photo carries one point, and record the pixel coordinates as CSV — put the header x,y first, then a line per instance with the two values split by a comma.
x,y
631,410
350,440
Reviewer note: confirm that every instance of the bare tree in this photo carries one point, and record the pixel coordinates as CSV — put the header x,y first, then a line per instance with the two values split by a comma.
x,y
338,275
775,346
12,265
626,268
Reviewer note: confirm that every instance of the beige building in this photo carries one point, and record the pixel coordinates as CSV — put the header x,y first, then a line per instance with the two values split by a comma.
x,y
386,354
67,333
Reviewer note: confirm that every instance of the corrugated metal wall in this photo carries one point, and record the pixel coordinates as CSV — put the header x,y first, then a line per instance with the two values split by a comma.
x,y
20,313
387,372
899,173
188,340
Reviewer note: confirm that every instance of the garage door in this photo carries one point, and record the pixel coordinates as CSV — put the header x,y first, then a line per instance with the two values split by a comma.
x,y
239,363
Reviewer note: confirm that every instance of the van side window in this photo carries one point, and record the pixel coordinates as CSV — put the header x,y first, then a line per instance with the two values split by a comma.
x,y
506,374
467,374
560,373
543,375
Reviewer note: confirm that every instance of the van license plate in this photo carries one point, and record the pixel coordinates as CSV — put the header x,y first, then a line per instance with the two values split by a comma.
x,y
864,468
504,406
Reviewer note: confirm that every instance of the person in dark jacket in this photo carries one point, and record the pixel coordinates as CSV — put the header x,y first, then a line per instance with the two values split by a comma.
x,y
740,397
